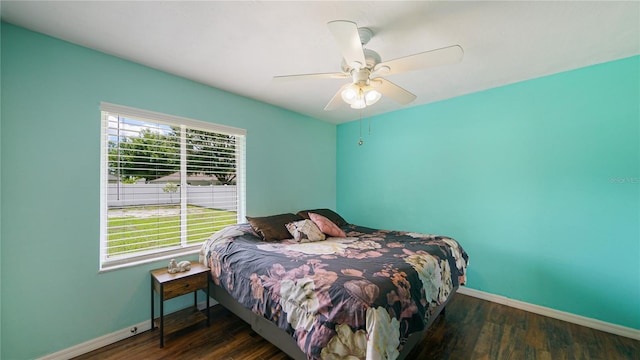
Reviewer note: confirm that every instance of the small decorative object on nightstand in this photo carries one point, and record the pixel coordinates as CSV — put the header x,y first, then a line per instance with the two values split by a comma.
x,y
184,266
169,284
175,267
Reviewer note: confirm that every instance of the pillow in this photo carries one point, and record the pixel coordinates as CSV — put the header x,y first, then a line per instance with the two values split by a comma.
x,y
272,228
326,226
329,214
305,231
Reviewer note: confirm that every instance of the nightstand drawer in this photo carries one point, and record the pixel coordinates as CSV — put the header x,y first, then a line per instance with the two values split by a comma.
x,y
185,285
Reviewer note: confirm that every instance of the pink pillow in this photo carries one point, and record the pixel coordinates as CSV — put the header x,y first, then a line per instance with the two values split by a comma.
x,y
326,226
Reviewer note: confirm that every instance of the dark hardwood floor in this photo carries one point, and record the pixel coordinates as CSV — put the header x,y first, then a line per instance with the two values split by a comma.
x,y
470,329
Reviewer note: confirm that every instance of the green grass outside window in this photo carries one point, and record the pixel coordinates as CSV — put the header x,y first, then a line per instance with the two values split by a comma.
x,y
131,233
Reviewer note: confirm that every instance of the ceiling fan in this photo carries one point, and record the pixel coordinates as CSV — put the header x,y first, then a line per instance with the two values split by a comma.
x,y
366,68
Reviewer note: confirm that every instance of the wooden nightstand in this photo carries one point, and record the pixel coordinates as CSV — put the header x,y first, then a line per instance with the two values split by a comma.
x,y
168,286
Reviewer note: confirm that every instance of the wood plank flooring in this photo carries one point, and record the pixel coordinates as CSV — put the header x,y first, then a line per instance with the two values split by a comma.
x,y
470,329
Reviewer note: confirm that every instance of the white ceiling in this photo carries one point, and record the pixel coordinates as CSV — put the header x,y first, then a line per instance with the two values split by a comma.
x,y
239,46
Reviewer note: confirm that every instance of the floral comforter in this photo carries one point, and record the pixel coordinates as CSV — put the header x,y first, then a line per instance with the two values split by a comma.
x,y
357,296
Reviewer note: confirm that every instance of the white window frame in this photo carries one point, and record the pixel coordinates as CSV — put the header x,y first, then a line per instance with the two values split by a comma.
x,y
111,263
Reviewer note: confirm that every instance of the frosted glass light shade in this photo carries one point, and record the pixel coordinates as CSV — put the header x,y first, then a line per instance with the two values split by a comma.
x,y
350,94
359,104
372,96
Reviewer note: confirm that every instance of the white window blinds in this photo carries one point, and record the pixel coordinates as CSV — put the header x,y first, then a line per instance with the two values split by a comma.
x,y
168,184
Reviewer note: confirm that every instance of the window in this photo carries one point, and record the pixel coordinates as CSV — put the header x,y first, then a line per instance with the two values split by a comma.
x,y
167,184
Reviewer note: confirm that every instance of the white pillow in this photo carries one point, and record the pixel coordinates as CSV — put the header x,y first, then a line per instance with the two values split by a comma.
x,y
305,231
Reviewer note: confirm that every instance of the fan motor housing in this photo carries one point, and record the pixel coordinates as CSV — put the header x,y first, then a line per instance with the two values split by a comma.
x,y
371,58
361,76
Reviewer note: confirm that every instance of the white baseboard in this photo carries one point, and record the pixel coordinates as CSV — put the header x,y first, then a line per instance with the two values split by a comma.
x,y
552,313
98,342
108,339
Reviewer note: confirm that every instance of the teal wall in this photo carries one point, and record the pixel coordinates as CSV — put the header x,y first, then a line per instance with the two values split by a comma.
x,y
52,294
0,199
538,180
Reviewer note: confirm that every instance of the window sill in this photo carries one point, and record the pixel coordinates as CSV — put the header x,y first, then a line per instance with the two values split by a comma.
x,y
122,264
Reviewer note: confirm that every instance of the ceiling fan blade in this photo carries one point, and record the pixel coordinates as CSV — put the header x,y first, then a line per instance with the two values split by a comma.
x,y
393,91
443,56
336,100
311,76
348,38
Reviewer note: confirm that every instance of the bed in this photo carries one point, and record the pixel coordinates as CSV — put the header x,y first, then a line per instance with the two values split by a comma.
x,y
365,294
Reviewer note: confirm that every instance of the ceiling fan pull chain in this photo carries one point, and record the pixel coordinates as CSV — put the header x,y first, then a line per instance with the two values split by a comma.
x,y
360,142
369,122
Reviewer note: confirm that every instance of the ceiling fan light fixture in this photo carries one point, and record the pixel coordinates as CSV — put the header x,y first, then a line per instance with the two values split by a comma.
x,y
359,96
